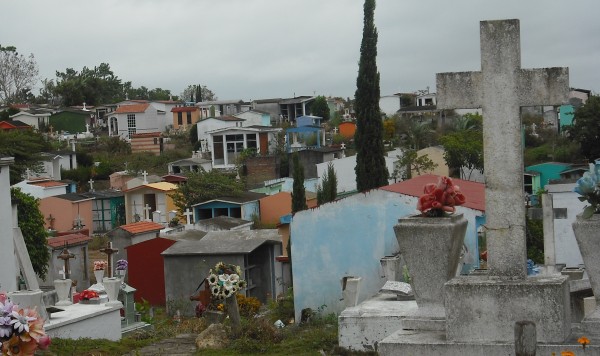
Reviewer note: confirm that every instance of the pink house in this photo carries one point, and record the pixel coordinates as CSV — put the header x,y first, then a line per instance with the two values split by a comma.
x,y
67,212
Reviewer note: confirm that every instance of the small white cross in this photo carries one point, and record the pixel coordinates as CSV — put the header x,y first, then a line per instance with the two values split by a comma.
x,y
147,209
63,273
335,130
145,174
188,214
91,185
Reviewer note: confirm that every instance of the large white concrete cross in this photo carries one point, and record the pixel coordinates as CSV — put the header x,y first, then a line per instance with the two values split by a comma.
x,y
501,88
145,174
147,209
188,214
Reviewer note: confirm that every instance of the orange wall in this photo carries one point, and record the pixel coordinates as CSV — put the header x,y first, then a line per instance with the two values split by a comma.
x,y
65,212
347,129
195,118
275,206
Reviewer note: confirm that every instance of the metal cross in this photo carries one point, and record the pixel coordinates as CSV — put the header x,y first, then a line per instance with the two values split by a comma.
x,y
66,255
109,251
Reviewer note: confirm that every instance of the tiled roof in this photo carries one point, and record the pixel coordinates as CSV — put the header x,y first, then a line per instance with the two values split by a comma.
x,y
229,118
145,134
185,109
142,227
71,239
131,108
74,197
163,186
473,191
48,184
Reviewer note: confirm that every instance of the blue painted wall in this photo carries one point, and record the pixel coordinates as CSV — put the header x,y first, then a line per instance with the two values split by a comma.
x,y
348,238
547,171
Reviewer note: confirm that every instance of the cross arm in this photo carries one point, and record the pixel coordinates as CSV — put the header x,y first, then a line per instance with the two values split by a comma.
x,y
459,90
543,86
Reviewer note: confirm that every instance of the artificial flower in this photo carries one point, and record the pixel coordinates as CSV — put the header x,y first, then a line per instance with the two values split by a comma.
x,y
212,279
122,265
440,198
584,341
233,278
20,321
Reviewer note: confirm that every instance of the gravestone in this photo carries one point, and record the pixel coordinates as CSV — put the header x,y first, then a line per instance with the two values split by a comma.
x,y
481,310
485,308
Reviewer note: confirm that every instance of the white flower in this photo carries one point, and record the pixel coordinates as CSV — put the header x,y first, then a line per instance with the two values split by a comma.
x,y
212,279
223,277
233,278
227,285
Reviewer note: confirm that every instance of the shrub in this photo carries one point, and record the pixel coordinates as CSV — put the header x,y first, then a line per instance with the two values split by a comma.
x,y
256,335
248,305
283,307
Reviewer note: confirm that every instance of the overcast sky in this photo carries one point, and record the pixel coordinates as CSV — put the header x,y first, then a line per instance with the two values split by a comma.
x,y
253,49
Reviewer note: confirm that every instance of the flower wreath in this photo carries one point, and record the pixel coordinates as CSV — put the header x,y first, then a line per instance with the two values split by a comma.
x,y
224,280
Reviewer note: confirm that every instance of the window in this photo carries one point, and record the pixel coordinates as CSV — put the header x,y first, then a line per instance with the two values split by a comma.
x,y
189,118
130,124
235,145
179,118
251,141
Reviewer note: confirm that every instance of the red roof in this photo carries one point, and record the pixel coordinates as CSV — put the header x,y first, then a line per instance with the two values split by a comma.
x,y
142,227
71,239
185,109
131,108
473,191
48,183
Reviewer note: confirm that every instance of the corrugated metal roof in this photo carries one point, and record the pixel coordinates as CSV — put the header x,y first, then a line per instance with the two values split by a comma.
x,y
225,243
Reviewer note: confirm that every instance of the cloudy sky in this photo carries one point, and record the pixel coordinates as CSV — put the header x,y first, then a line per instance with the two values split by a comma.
x,y
252,49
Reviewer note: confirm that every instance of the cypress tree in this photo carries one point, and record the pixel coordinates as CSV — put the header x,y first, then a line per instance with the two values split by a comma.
x,y
371,171
298,192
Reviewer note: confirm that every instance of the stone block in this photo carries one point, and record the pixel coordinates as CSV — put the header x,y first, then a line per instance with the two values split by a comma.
x,y
484,309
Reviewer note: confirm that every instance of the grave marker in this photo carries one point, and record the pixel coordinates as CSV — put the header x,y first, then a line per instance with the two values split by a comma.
x,y
500,89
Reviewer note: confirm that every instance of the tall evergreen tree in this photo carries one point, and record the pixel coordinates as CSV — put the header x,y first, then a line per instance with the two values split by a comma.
x,y
371,171
327,192
298,192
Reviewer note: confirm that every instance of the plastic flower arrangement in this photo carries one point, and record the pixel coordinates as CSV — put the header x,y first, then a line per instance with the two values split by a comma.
x,y
21,330
588,187
89,294
122,265
224,280
440,199
100,265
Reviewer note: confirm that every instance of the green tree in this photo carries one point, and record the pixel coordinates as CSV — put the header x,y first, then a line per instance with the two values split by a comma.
x,y
298,192
26,148
586,128
7,113
17,73
463,149
93,86
201,92
159,94
202,186
410,162
327,191
31,222
371,171
320,108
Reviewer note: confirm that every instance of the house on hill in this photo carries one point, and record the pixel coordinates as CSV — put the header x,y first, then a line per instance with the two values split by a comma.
x,y
149,142
228,143
42,187
108,210
14,125
149,202
127,120
71,120
245,206
209,124
255,118
184,117
67,212
37,119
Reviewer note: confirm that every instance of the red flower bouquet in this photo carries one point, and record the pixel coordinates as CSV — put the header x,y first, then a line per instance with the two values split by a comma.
x,y
88,294
441,198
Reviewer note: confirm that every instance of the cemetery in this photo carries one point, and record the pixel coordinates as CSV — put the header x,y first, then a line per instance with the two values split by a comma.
x,y
457,222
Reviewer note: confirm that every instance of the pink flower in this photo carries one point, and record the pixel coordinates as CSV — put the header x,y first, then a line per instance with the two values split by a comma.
x,y
44,342
440,197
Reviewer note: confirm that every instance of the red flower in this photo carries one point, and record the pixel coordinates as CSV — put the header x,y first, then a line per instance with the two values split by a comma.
x,y
439,198
88,294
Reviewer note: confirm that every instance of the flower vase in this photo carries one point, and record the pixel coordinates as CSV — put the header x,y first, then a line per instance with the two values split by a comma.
x,y
62,288
121,274
587,234
431,248
99,274
112,286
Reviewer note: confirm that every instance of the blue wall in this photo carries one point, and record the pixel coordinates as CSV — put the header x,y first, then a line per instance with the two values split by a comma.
x,y
348,238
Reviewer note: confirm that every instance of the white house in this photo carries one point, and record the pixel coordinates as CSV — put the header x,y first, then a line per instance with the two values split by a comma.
x,y
215,123
33,118
41,188
255,117
140,116
345,173
389,104
228,143
222,107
